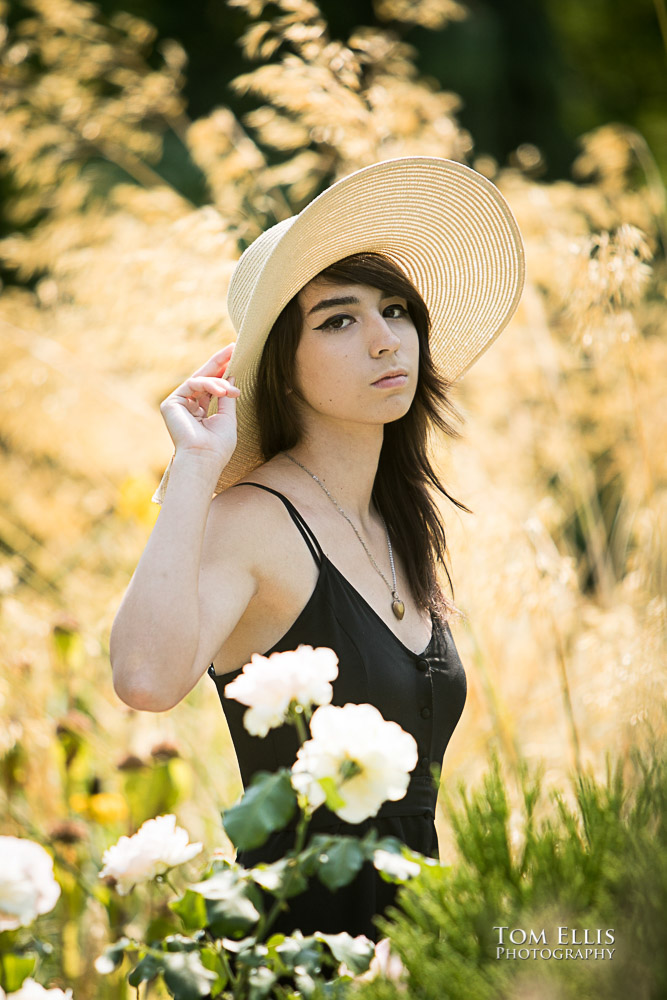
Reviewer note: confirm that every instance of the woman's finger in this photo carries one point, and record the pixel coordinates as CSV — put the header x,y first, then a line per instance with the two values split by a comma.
x,y
197,407
200,385
216,362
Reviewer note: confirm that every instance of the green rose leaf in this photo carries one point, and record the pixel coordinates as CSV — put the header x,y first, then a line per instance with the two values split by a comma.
x,y
179,942
396,862
391,844
310,855
280,876
191,909
210,960
232,917
148,968
339,862
304,952
243,945
267,804
16,968
159,927
186,977
251,956
112,956
396,868
233,905
305,984
260,982
356,954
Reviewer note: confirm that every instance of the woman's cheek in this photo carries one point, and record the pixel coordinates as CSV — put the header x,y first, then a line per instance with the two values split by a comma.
x,y
325,375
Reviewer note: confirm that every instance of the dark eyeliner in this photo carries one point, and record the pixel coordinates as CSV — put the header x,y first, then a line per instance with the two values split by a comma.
x,y
327,322
331,319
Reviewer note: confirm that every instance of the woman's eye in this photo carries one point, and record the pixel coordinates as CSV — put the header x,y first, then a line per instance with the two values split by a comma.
x,y
333,323
336,322
397,305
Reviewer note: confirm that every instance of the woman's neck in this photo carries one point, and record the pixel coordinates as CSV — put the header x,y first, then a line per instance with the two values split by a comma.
x,y
346,462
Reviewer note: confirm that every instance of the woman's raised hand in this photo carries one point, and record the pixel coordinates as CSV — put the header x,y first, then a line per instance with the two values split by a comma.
x,y
184,411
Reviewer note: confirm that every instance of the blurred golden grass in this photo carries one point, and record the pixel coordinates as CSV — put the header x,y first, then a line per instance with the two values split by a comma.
x,y
560,570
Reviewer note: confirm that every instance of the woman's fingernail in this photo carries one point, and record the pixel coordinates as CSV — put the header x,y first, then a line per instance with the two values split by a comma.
x,y
231,380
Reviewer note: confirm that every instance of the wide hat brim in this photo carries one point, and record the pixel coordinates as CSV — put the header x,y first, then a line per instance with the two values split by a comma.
x,y
445,224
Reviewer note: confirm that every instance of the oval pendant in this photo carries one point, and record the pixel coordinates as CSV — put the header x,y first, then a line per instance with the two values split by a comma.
x,y
398,608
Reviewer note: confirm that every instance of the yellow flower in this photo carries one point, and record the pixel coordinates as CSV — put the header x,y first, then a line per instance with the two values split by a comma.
x,y
107,808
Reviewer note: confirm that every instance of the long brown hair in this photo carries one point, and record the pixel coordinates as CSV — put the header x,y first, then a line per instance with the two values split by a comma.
x,y
405,479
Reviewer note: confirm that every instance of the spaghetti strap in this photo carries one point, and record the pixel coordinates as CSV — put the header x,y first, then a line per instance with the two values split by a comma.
x,y
308,536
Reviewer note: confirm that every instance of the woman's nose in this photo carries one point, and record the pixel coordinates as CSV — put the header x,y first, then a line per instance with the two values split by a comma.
x,y
382,337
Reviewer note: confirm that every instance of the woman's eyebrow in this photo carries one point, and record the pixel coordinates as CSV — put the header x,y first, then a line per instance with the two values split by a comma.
x,y
345,300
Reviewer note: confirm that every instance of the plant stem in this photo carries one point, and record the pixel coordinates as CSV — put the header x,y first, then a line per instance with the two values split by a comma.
x,y
164,878
224,961
297,719
565,690
299,841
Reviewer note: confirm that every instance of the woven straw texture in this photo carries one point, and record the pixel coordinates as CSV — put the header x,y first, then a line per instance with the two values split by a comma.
x,y
446,225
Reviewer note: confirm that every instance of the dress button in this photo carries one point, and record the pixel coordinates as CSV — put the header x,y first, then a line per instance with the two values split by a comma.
x,y
422,664
426,713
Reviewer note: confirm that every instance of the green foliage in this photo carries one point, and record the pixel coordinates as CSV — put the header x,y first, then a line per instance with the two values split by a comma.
x,y
14,969
233,906
338,859
267,804
354,952
181,968
191,908
600,864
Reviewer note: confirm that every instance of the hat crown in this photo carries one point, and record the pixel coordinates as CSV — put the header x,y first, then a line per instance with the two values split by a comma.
x,y
248,269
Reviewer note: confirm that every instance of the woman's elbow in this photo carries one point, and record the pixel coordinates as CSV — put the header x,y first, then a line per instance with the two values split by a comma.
x,y
132,686
140,699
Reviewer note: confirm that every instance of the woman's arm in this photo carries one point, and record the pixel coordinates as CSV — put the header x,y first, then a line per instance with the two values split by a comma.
x,y
157,645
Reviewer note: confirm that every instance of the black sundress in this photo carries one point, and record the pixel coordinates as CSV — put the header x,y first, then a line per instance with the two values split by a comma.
x,y
423,692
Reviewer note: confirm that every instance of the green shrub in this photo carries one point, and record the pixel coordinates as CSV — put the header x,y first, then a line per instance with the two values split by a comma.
x,y
600,866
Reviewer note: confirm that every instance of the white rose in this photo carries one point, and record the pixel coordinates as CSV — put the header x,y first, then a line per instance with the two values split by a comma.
x,y
27,885
368,758
384,963
30,990
157,846
269,684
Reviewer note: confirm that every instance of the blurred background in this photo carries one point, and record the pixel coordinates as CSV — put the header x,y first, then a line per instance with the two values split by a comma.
x,y
143,145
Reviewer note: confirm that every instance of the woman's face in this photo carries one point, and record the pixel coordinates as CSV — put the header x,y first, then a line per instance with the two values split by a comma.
x,y
358,357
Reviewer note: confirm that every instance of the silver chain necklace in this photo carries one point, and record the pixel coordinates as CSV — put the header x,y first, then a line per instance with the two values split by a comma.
x,y
397,605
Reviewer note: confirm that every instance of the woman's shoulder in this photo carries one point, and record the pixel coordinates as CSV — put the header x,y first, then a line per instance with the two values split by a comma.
x,y
254,517
253,492
257,490
243,505
250,530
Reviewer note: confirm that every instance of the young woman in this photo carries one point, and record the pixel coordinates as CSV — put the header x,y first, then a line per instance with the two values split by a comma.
x,y
353,320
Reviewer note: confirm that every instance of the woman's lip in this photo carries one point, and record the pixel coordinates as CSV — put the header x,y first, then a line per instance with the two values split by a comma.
x,y
391,382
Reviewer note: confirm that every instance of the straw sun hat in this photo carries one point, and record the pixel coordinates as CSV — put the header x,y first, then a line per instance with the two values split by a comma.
x,y
446,225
